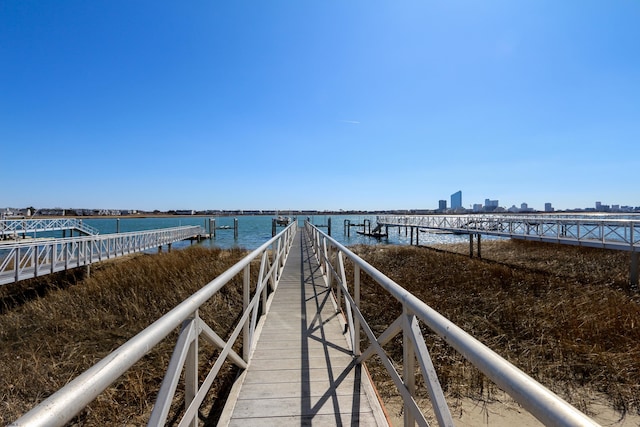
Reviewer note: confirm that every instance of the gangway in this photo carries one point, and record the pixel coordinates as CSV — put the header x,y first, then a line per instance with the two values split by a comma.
x,y
28,259
607,233
16,228
296,369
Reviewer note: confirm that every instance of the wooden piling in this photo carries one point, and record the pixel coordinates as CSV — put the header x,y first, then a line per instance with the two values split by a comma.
x,y
635,266
470,245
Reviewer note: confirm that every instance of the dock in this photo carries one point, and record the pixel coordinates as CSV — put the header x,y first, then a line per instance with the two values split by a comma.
x,y
302,370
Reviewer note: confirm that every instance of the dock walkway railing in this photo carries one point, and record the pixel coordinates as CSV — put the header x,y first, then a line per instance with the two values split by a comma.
x,y
17,227
24,260
619,234
534,397
63,405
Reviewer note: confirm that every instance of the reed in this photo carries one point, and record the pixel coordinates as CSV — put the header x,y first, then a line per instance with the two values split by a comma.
x,y
564,315
53,329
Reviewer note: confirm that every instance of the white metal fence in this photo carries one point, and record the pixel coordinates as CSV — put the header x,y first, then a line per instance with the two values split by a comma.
x,y
620,234
62,406
25,260
18,227
535,398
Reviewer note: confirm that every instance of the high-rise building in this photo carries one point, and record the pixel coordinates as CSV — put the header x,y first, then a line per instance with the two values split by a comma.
x,y
442,205
490,205
548,207
456,200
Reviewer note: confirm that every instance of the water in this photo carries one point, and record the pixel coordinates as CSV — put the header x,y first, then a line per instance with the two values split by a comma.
x,y
253,231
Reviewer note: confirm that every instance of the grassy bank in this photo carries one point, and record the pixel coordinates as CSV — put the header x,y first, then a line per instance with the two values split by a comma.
x,y
562,314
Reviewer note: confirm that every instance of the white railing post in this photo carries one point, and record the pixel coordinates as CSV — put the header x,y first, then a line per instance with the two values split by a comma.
x,y
246,331
191,371
408,366
356,299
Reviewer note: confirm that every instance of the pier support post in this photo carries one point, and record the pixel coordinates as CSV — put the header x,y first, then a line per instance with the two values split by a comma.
x,y
213,227
169,247
635,266
118,225
411,238
417,236
88,273
470,245
235,228
329,226
479,247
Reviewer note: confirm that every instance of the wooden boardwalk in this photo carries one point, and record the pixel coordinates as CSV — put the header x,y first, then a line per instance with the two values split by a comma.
x,y
301,372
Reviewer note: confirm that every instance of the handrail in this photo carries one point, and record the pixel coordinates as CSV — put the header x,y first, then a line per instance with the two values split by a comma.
x,y
63,405
609,233
534,397
27,259
18,226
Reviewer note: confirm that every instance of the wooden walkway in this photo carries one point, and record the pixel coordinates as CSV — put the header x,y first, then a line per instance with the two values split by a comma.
x,y
301,372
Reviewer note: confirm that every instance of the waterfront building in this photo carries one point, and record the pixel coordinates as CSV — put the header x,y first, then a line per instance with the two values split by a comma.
x,y
490,205
442,205
456,200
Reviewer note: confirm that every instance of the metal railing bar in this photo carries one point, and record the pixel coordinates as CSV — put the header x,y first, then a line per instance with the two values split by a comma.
x,y
436,395
214,339
170,381
394,329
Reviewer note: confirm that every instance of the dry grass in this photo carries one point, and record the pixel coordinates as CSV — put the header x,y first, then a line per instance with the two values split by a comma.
x,y
562,314
52,330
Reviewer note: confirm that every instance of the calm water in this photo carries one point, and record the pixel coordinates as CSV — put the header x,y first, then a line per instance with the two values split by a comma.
x,y
253,231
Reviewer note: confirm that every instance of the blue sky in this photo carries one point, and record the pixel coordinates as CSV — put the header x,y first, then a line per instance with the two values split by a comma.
x,y
318,104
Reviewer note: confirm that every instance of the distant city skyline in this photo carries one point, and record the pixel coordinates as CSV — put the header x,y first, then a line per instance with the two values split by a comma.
x,y
489,205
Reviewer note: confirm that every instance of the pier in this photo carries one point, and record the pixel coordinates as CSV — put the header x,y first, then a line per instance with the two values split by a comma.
x,y
28,259
303,358
613,234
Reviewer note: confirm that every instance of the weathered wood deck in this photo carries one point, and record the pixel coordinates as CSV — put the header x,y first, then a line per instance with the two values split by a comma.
x,y
301,372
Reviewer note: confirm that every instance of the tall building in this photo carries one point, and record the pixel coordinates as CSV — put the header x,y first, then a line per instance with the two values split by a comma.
x,y
456,200
490,205
442,205
548,207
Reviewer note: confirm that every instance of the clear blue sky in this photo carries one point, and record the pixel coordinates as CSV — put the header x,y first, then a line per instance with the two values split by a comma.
x,y
318,104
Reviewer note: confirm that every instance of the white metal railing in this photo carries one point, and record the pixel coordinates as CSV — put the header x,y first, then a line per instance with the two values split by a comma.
x,y
534,397
24,260
17,227
62,406
620,234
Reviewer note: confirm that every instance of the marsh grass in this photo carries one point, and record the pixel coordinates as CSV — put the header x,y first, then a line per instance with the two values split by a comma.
x,y
564,315
55,328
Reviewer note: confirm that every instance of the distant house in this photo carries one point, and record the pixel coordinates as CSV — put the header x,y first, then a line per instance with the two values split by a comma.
x,y
185,212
